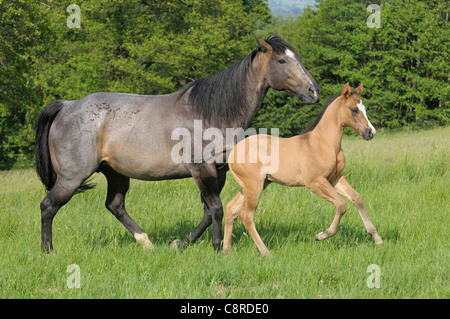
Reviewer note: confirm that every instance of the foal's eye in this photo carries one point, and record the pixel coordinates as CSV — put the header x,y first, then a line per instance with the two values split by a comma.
x,y
282,61
355,110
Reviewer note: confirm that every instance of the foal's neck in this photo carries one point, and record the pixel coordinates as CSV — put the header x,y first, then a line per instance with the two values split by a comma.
x,y
330,129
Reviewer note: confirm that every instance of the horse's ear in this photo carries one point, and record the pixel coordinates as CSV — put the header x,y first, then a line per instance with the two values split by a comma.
x,y
346,90
263,45
276,35
359,89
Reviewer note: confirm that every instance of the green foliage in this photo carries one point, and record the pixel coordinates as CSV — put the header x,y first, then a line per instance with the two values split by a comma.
x,y
20,31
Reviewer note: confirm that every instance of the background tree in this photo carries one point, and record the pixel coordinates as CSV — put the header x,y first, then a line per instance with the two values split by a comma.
x,y
133,46
21,33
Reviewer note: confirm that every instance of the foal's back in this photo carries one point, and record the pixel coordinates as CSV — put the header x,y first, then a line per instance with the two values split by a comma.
x,y
290,161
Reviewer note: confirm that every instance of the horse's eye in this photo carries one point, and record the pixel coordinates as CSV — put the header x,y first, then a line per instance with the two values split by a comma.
x,y
355,110
282,61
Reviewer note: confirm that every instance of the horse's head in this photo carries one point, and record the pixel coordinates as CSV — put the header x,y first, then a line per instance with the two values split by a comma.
x,y
353,112
285,71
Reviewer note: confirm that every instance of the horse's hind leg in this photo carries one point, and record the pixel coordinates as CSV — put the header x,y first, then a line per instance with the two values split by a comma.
x,y
59,195
115,202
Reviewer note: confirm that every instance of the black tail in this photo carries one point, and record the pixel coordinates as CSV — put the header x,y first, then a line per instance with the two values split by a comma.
x,y
44,166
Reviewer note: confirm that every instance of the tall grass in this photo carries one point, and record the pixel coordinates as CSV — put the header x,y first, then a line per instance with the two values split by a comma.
x,y
403,179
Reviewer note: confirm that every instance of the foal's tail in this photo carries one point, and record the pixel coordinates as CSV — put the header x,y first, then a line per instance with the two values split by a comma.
x,y
44,166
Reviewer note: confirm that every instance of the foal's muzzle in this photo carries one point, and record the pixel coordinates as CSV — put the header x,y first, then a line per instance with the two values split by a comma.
x,y
368,134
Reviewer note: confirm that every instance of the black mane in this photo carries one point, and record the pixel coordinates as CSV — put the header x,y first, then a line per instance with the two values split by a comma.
x,y
224,96
221,96
279,45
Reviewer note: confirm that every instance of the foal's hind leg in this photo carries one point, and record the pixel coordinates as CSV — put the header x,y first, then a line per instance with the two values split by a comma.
x,y
252,190
115,202
231,213
343,187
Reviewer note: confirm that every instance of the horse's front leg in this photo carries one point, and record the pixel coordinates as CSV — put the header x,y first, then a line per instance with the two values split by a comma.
x,y
210,183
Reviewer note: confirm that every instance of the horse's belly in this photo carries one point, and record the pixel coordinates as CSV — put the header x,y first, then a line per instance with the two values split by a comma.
x,y
147,158
150,169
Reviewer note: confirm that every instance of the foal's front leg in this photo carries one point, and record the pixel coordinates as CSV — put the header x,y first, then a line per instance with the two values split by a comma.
x,y
343,187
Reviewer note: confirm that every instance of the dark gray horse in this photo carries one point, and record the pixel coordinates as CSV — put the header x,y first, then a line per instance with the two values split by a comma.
x,y
130,136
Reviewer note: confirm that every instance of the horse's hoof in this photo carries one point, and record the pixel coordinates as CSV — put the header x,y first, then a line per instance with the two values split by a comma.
x,y
142,239
218,247
174,245
178,245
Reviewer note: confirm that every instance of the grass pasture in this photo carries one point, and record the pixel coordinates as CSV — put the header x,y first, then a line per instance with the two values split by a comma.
x,y
403,178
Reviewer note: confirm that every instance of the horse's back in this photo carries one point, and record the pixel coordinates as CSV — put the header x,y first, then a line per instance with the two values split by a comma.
x,y
129,132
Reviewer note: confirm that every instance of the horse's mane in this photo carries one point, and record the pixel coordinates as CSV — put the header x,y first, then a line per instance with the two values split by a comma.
x,y
223,97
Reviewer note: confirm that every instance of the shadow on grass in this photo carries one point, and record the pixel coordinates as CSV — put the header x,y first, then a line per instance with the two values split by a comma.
x,y
273,234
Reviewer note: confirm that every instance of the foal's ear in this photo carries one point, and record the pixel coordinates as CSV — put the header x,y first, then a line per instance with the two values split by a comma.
x,y
346,90
359,89
263,45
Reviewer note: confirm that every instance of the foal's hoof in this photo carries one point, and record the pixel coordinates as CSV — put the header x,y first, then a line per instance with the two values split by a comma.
x,y
378,240
321,236
178,245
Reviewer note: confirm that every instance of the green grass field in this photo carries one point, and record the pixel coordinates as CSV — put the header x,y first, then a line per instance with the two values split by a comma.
x,y
403,178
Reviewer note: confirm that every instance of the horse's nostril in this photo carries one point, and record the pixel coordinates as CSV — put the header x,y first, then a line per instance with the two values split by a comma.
x,y
313,92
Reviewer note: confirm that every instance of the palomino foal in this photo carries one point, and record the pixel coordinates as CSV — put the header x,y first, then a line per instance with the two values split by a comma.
x,y
313,159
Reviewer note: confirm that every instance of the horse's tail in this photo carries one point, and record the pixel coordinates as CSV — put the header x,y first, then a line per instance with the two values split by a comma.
x,y
44,166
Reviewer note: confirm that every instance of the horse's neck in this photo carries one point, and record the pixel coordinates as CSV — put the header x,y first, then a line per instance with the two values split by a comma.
x,y
256,87
258,92
329,130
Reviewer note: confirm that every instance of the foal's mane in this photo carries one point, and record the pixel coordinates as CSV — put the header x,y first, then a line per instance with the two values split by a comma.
x,y
224,96
330,101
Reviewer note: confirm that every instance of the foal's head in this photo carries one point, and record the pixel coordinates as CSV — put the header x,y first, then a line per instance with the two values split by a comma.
x,y
285,70
353,112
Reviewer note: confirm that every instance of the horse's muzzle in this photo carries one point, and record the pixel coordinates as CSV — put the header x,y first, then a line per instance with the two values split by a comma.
x,y
314,93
